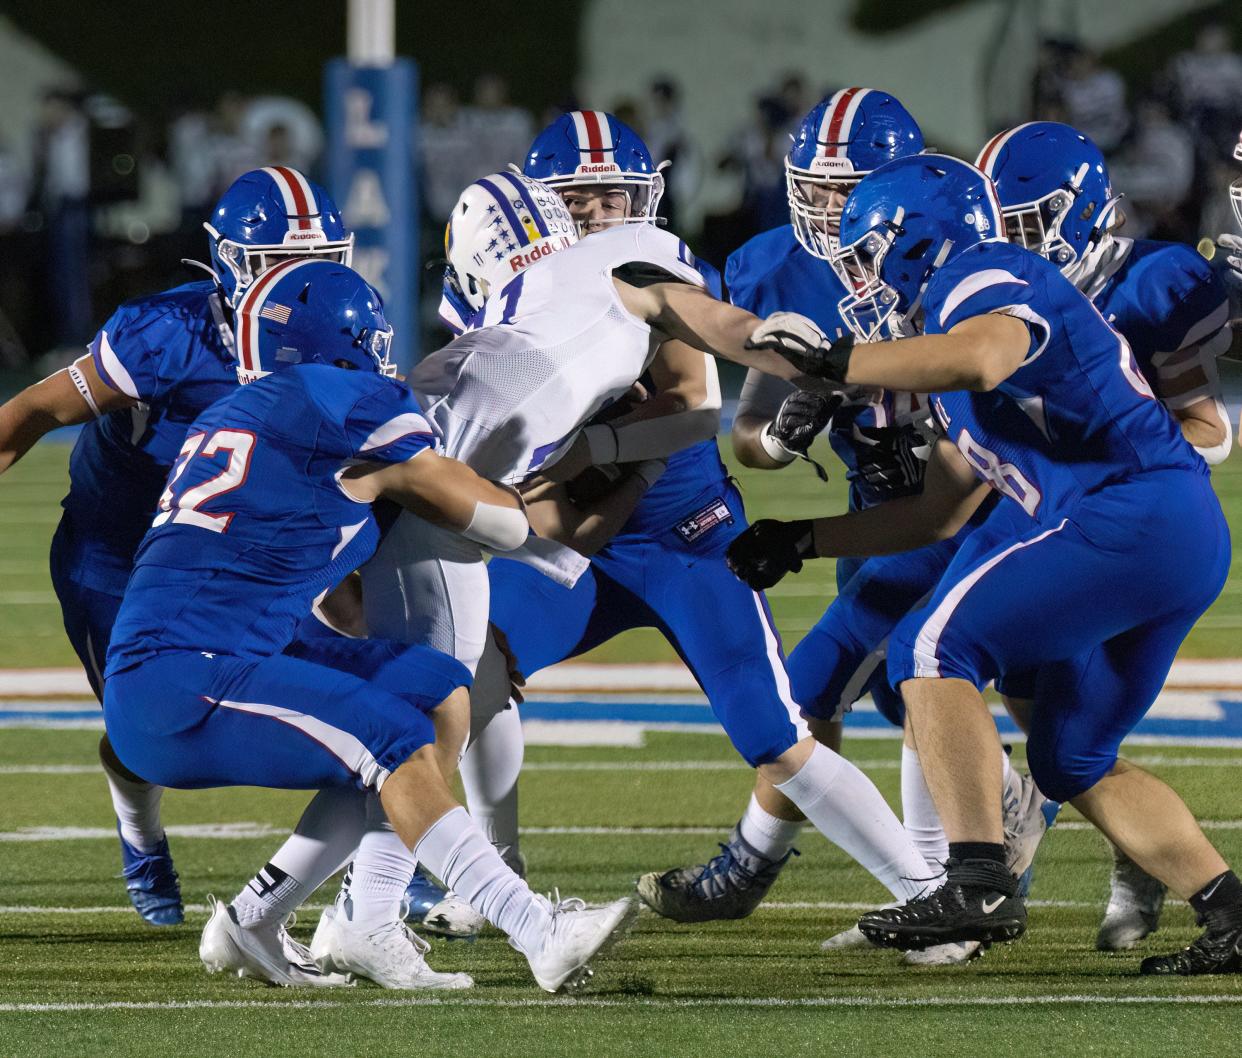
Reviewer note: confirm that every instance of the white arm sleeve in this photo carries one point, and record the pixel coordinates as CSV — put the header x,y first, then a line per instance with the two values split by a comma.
x,y
661,436
497,528
763,395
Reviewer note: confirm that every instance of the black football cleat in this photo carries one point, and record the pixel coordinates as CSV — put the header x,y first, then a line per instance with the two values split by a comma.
x,y
978,901
1217,951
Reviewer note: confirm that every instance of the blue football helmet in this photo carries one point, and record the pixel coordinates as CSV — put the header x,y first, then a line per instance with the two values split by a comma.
x,y
900,224
1053,186
592,147
501,225
844,137
269,215
309,311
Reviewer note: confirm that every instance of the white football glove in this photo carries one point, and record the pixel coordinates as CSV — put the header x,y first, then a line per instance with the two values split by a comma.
x,y
800,341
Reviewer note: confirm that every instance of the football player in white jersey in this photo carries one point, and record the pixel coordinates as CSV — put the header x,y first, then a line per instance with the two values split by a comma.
x,y
567,328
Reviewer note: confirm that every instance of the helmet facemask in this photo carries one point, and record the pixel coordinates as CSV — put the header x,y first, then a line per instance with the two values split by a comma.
x,y
1036,225
245,263
643,191
378,345
870,302
815,219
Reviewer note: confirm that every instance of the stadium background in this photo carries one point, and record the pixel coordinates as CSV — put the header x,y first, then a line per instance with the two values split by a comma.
x,y
119,125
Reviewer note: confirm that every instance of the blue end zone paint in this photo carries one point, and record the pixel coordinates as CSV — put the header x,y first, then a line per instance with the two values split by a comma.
x,y
1223,730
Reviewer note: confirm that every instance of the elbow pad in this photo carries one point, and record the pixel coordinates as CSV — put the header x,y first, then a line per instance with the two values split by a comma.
x,y
497,528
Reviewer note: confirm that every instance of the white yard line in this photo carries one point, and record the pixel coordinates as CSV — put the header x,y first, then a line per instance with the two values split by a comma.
x,y
877,764
243,831
670,1003
582,677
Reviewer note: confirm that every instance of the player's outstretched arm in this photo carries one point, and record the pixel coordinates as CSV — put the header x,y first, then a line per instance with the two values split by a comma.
x,y
71,396
978,354
769,549
446,493
690,314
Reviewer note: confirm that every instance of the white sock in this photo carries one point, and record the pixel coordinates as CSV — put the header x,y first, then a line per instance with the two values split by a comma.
x,y
844,806
456,851
267,898
922,821
326,835
489,775
137,807
380,873
769,835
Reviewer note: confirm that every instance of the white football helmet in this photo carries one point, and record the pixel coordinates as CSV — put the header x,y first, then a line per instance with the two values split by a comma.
x,y
500,226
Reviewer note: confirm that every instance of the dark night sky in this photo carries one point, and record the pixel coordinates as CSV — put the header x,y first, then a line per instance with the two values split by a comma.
x,y
155,56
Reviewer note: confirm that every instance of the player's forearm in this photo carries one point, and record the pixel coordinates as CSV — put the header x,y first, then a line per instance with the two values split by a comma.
x,y
747,438
895,526
23,421
1205,424
658,428
930,363
585,530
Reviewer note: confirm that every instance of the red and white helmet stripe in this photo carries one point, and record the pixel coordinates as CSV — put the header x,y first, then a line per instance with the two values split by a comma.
x,y
834,129
991,150
249,308
299,200
594,134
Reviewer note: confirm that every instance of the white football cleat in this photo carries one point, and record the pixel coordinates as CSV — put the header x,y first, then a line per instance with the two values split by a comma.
x,y
452,917
1135,900
847,940
1026,822
576,935
954,954
391,955
268,954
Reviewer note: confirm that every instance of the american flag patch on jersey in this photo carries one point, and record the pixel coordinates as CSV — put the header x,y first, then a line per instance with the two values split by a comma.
x,y
279,313
705,520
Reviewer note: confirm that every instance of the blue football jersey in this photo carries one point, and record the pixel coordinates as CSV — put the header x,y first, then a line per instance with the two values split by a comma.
x,y
172,352
253,523
1166,301
773,273
1077,415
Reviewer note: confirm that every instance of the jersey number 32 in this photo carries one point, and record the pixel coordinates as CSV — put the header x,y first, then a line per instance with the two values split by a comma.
x,y
183,502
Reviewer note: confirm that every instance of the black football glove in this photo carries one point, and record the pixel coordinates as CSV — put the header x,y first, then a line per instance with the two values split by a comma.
x,y
802,417
801,342
768,550
891,457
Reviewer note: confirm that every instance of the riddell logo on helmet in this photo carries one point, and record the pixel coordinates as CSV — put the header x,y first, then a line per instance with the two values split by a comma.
x,y
525,260
597,167
304,236
832,166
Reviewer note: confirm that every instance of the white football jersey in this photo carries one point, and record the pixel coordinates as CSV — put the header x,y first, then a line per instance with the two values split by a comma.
x,y
556,345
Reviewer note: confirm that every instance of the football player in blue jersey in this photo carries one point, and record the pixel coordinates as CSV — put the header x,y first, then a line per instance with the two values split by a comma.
x,y
658,570
845,136
1172,309
1043,402
153,367
268,505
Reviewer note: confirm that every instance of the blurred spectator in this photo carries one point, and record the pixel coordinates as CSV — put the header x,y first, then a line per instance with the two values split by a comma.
x,y
499,132
1156,173
667,139
793,95
282,131
234,154
62,188
1093,98
1207,85
446,150
192,156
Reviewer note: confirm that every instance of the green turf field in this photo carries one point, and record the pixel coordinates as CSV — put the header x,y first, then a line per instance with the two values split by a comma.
x,y
80,974
31,634
98,981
